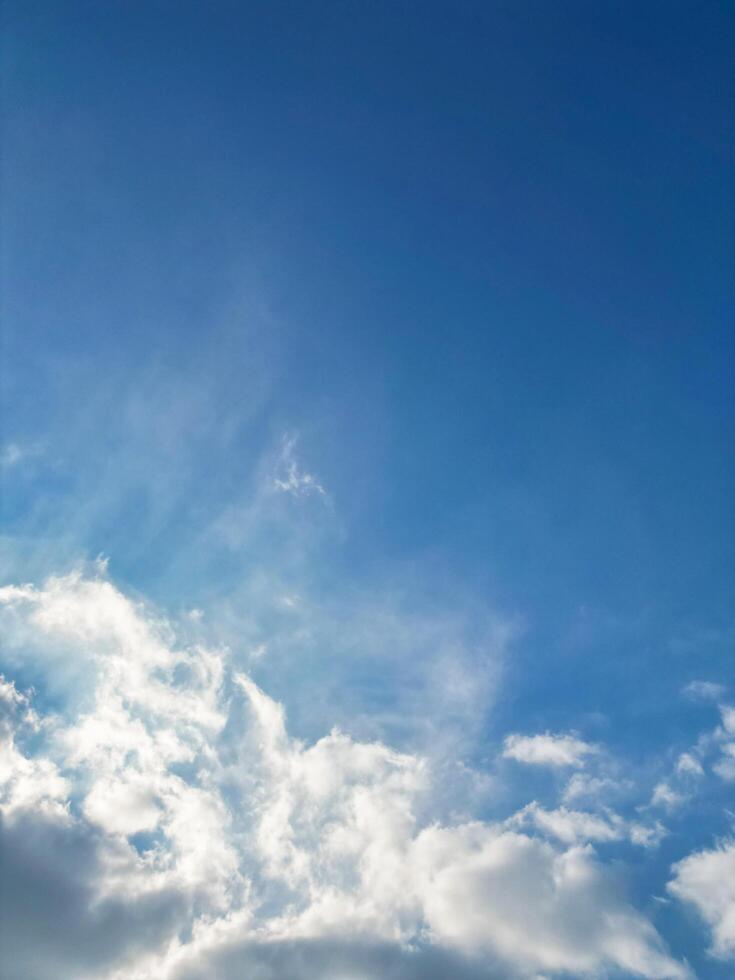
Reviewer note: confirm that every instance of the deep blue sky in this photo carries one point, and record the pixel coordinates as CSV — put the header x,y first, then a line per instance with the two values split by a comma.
x,y
478,257
495,244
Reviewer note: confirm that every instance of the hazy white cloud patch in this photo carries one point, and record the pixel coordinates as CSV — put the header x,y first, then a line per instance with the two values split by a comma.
x,y
665,796
725,765
579,826
689,765
705,690
262,516
728,718
583,786
166,826
715,748
556,751
423,675
724,737
713,752
15,453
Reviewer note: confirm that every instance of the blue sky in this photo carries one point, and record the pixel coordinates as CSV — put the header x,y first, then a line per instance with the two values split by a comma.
x,y
383,353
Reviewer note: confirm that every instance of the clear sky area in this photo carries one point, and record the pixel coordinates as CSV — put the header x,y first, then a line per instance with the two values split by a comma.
x,y
367,486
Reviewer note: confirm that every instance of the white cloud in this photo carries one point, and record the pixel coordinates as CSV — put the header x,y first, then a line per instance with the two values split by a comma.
x,y
439,665
290,477
716,748
704,690
184,827
532,905
706,880
688,765
26,782
728,718
666,797
725,765
583,786
14,453
571,826
579,826
557,751
723,738
646,834
263,516
125,805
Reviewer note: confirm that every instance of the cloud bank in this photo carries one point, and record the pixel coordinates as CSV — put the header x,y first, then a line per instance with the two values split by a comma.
x,y
160,823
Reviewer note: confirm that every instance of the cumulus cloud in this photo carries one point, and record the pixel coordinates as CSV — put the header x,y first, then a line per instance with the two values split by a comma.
x,y
166,826
533,905
557,751
706,880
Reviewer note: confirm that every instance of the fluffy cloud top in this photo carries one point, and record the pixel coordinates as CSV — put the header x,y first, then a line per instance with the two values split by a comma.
x,y
164,825
706,879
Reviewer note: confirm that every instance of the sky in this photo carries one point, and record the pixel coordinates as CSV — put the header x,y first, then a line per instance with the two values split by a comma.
x,y
366,486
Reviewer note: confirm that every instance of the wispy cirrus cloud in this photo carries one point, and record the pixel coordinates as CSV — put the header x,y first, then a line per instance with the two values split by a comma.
x,y
290,477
